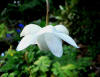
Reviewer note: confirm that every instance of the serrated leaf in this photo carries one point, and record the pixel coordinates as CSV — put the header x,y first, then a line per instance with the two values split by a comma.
x,y
43,63
56,68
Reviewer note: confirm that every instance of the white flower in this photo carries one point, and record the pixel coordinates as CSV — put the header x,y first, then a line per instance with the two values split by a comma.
x,y
47,38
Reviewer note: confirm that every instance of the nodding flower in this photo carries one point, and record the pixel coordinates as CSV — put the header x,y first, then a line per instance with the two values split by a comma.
x,y
21,25
48,38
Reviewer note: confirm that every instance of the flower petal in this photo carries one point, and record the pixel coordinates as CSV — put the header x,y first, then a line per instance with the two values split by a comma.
x,y
41,37
26,41
62,28
66,38
42,43
54,44
30,29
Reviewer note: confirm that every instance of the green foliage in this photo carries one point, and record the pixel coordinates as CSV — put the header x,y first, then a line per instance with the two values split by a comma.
x,y
64,71
27,10
43,63
4,75
92,75
33,63
67,12
3,30
41,66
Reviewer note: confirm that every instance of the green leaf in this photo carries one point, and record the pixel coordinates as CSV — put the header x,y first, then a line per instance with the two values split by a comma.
x,y
11,75
33,69
30,56
56,68
4,75
43,63
68,67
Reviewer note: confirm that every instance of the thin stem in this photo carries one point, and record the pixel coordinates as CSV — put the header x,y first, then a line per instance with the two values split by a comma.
x,y
47,12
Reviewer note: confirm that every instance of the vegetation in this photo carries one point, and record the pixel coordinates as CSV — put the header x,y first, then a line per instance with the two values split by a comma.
x,y
79,17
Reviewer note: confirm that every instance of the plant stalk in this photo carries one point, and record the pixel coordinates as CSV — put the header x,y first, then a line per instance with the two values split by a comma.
x,y
47,12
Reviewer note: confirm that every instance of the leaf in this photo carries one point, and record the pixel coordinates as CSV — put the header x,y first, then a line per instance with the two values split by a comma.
x,y
43,63
4,75
11,75
56,68
33,69
30,56
68,67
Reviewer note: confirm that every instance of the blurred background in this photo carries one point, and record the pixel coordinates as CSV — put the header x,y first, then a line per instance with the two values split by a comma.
x,y
81,17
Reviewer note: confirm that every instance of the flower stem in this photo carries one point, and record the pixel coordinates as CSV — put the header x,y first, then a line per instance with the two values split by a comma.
x,y
47,12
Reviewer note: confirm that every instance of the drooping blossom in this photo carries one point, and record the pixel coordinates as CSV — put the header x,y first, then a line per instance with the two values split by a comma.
x,y
48,38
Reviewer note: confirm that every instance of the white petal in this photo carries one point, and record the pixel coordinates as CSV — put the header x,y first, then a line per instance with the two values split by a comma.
x,y
54,44
41,37
67,39
30,29
47,29
62,28
42,43
26,41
